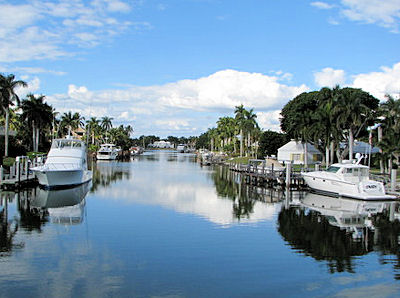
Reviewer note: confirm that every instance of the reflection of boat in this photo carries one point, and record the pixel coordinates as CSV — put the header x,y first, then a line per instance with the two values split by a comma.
x,y
347,180
63,206
347,214
107,152
66,164
181,148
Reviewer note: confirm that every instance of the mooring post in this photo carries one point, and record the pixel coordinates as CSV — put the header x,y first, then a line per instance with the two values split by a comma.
x,y
1,174
288,174
17,170
393,180
26,168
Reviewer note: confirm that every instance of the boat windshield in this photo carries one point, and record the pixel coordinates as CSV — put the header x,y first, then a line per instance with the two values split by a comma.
x,y
66,144
332,169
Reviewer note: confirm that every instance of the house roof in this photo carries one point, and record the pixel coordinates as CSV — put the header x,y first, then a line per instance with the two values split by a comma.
x,y
294,146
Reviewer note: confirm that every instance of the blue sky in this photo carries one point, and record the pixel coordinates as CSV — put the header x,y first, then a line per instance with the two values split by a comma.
x,y
174,67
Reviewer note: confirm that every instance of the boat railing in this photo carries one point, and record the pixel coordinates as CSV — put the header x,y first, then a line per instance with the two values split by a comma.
x,y
61,166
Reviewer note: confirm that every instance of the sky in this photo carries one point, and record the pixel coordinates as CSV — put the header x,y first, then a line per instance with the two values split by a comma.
x,y
173,67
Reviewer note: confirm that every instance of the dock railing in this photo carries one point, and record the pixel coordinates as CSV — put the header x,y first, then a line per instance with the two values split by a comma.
x,y
20,170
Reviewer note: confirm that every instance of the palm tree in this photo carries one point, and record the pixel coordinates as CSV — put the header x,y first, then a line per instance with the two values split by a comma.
x,y
353,108
72,121
250,125
240,122
106,124
39,114
93,126
8,84
390,144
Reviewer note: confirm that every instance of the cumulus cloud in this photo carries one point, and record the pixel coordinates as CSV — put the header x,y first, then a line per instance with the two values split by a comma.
x,y
184,107
33,86
386,81
23,37
330,77
269,120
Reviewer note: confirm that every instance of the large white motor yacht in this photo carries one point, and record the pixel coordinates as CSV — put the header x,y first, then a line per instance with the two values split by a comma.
x,y
66,164
107,152
347,179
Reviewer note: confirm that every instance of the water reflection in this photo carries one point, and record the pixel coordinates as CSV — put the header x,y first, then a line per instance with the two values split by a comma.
x,y
36,207
177,182
8,228
229,184
108,172
336,230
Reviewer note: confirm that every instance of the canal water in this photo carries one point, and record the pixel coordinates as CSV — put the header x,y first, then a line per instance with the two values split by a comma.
x,y
163,226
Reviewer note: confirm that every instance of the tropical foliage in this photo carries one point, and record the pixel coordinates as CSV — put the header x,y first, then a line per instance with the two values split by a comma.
x,y
329,116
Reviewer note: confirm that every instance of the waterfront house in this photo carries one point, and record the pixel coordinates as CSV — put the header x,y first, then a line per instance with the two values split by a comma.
x,y
295,152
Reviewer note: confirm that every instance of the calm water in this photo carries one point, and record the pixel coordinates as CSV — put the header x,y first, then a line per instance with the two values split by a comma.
x,y
162,226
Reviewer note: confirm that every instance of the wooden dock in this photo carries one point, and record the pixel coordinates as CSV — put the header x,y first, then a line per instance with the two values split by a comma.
x,y
258,172
19,174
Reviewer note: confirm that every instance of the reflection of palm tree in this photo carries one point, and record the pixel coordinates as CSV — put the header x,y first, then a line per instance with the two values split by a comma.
x,y
7,230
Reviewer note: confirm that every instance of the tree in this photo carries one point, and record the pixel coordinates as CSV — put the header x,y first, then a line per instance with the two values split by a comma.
x,y
353,111
270,142
93,128
297,118
71,121
39,114
240,122
106,124
390,143
8,84
250,125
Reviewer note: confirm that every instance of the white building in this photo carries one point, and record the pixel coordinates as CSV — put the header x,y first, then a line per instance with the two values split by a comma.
x,y
163,144
295,152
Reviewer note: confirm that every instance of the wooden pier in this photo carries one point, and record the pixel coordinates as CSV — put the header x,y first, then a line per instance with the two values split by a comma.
x,y
19,174
258,172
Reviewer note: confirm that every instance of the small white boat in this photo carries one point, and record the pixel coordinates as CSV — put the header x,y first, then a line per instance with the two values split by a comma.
x,y
65,166
136,150
347,179
181,148
107,152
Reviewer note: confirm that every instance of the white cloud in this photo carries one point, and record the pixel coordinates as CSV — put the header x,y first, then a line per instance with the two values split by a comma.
x,y
322,5
330,77
386,81
269,120
183,107
23,37
383,13
33,86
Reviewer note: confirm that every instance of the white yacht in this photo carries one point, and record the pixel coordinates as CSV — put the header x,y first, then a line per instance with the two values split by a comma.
x,y
181,148
347,179
66,164
107,152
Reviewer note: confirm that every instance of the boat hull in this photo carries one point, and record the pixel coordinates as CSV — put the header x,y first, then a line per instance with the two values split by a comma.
x,y
363,191
62,178
106,156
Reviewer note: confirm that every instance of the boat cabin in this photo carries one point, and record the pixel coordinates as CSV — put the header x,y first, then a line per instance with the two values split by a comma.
x,y
350,172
